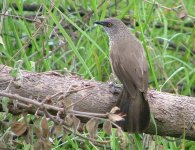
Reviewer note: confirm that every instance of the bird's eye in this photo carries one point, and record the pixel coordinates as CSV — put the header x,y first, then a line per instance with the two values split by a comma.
x,y
109,24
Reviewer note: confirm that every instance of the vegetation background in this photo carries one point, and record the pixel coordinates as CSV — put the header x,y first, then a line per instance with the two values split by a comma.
x,y
60,35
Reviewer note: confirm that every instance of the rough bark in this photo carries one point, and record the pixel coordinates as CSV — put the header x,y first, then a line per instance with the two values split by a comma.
x,y
174,115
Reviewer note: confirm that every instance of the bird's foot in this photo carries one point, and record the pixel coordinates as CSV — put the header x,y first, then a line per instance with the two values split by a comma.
x,y
114,88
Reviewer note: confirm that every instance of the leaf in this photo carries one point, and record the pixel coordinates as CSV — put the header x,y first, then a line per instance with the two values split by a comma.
x,y
46,145
29,138
92,126
45,128
69,120
114,109
57,130
115,117
161,147
107,127
37,131
76,123
19,128
81,127
38,145
182,14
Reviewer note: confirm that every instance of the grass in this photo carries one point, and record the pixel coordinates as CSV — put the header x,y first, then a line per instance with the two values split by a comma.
x,y
75,44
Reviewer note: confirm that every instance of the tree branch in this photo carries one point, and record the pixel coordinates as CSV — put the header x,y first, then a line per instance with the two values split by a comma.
x,y
174,114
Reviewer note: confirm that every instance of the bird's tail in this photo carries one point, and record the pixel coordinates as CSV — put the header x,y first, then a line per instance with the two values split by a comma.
x,y
137,112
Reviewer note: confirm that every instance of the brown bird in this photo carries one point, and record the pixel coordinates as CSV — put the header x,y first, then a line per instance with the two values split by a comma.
x,y
129,64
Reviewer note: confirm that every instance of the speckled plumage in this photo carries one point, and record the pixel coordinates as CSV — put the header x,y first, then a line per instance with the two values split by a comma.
x,y
130,66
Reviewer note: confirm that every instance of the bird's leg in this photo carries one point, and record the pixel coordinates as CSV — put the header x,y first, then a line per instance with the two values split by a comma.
x,y
114,87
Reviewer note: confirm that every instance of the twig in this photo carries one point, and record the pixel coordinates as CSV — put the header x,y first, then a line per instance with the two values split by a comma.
x,y
20,17
73,91
50,107
77,134
58,93
168,8
184,7
65,94
78,101
69,91
9,85
87,113
30,101
161,6
96,117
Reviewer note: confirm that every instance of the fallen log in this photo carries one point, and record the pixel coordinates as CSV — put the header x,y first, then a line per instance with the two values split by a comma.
x,y
174,115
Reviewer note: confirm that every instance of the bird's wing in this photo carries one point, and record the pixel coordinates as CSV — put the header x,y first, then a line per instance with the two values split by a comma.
x,y
130,66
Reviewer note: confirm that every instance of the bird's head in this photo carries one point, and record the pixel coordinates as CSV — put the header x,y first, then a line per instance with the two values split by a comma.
x,y
112,26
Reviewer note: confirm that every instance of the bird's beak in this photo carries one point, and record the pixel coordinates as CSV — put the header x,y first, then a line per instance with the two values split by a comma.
x,y
100,23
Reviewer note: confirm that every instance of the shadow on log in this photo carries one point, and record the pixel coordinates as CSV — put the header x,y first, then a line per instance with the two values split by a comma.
x,y
174,114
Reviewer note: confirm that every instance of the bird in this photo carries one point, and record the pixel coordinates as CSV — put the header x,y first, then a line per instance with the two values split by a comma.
x,y
129,64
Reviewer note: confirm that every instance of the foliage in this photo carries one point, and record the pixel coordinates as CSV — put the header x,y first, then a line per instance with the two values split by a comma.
x,y
60,35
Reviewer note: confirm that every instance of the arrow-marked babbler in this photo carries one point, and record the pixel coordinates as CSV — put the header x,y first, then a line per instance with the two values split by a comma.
x,y
130,66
